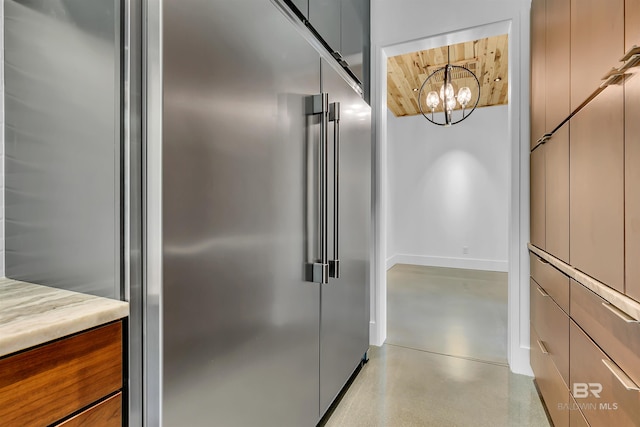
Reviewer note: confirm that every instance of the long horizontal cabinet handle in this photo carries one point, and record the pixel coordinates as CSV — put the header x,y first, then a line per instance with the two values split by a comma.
x,y
635,50
623,378
542,292
619,313
543,349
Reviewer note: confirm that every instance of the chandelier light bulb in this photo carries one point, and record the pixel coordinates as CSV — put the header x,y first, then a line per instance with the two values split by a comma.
x,y
464,96
448,92
451,103
432,100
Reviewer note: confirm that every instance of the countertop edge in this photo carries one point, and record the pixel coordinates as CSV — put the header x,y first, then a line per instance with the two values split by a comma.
x,y
24,330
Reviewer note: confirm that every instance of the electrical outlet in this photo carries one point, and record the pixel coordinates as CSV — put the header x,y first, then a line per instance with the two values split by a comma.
x,y
465,250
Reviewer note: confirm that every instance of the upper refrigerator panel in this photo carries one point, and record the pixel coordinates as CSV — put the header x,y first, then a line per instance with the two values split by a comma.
x,y
62,74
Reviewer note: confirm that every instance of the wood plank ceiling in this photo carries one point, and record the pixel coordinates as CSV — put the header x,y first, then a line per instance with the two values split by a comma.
x,y
487,58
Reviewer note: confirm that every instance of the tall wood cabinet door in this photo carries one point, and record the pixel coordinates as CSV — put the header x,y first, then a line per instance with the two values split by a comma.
x,y
597,188
538,41
557,193
632,24
632,159
597,43
538,197
558,62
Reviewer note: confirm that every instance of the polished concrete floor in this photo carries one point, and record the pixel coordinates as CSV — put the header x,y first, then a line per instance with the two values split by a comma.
x,y
444,360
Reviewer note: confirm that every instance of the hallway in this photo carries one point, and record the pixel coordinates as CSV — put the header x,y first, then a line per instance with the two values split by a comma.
x,y
444,361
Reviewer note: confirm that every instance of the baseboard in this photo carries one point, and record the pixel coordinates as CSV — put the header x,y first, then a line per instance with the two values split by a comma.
x,y
391,261
449,262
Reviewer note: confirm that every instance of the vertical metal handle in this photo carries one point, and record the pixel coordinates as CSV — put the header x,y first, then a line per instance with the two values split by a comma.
x,y
318,270
334,116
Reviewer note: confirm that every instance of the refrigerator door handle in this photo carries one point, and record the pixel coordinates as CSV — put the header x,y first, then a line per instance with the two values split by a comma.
x,y
318,271
334,116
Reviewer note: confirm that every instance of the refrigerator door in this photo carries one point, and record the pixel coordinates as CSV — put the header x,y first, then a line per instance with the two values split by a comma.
x,y
240,323
344,324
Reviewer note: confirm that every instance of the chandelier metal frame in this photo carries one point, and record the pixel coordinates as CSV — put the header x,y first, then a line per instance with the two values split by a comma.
x,y
446,96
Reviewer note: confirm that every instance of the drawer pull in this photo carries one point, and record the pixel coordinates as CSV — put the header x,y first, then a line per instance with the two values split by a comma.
x,y
543,349
542,292
621,376
619,313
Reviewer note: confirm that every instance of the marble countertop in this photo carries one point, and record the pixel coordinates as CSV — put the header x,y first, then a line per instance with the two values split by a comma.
x,y
32,314
621,301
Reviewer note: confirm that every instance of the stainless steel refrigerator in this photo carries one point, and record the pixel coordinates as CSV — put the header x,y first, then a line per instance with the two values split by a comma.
x,y
258,218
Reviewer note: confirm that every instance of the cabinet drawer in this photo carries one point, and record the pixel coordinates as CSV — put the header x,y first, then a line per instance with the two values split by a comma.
x,y
107,413
551,279
554,392
614,331
604,399
41,386
576,418
552,326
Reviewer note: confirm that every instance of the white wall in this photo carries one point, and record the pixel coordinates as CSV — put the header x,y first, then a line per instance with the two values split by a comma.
x,y
448,188
395,25
2,138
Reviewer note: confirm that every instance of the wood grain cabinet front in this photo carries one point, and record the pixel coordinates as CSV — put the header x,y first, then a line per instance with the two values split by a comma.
x,y
557,194
576,417
557,62
552,326
552,280
632,160
46,384
597,188
538,208
617,333
554,392
604,392
107,413
597,43
538,70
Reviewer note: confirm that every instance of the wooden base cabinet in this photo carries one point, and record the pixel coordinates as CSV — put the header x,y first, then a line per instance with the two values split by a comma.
x,y
600,387
79,375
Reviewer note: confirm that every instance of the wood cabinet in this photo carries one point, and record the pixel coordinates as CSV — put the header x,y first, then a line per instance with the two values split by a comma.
x,y
597,43
557,62
537,202
45,385
554,392
557,194
632,159
597,188
107,413
613,404
538,70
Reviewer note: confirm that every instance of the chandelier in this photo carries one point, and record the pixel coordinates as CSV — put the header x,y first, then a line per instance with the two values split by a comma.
x,y
454,90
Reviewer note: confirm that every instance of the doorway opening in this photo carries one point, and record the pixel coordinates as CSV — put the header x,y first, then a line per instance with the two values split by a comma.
x,y
444,178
